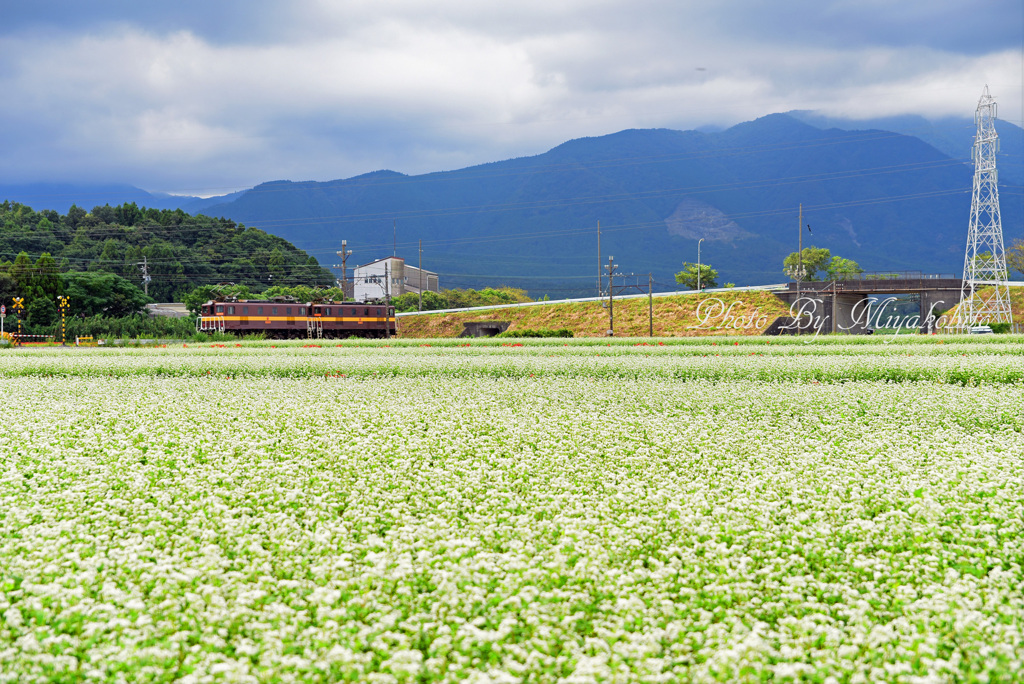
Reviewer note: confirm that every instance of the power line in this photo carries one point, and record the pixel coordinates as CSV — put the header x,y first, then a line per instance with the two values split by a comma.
x,y
604,198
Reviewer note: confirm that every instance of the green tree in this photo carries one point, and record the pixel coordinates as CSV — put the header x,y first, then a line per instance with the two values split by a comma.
x,y
432,301
195,299
128,214
21,272
46,280
275,264
41,315
814,259
8,289
112,257
95,293
840,268
688,276
75,215
1015,256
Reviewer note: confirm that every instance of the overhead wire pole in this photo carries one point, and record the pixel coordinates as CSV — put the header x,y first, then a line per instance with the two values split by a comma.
x,y
611,303
144,267
698,263
599,261
344,254
419,278
650,304
800,250
387,302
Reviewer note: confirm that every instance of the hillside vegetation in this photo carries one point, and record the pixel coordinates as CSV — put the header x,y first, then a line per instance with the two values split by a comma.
x,y
727,313
181,251
951,317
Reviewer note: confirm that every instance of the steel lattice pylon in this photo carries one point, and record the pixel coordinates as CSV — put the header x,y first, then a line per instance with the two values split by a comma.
x,y
985,260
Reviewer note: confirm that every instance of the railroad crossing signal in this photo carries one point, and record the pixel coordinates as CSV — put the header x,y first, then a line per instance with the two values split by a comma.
x,y
18,306
62,301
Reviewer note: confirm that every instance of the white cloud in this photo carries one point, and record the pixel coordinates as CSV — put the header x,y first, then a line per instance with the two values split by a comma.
x,y
345,88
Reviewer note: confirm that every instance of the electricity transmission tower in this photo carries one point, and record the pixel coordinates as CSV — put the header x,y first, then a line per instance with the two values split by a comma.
x,y
985,260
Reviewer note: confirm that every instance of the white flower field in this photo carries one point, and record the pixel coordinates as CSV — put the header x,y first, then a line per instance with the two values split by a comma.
x,y
556,512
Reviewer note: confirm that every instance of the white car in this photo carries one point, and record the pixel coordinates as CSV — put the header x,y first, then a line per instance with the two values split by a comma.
x,y
981,330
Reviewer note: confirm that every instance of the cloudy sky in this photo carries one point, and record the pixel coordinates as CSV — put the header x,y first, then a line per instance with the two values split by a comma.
x,y
210,96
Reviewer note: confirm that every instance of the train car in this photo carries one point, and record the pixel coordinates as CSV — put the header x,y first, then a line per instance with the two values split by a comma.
x,y
288,318
347,319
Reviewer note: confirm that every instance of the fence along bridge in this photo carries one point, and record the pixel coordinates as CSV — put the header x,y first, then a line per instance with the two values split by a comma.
x,y
847,297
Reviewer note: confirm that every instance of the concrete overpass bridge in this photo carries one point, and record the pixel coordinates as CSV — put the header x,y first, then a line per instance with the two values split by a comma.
x,y
845,302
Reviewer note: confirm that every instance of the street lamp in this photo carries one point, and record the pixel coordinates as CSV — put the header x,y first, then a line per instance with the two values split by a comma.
x,y
797,273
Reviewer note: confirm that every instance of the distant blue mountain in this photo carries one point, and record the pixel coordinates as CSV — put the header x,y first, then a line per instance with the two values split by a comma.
x,y
887,200
870,191
60,196
952,136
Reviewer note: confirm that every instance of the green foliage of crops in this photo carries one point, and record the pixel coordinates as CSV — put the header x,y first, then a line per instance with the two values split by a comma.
x,y
534,512
897,359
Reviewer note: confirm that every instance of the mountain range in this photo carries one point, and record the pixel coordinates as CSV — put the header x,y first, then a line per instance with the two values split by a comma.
x,y
893,195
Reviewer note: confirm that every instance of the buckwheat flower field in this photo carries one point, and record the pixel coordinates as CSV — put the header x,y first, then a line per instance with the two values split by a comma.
x,y
562,512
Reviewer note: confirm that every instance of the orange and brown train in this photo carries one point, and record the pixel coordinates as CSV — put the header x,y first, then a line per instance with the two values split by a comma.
x,y
286,317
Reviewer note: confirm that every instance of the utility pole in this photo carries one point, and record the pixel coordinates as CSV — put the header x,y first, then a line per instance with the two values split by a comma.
x,y
650,304
420,278
835,284
611,303
797,272
800,250
394,238
387,302
698,263
598,258
144,267
344,254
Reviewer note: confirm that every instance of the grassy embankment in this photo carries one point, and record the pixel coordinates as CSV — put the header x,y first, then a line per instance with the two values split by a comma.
x,y
1016,305
722,313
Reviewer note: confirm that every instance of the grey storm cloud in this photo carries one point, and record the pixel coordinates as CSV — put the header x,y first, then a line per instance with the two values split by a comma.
x,y
205,97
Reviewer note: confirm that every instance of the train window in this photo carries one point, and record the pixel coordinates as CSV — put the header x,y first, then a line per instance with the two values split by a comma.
x,y
275,310
231,310
220,309
378,312
366,312
327,311
245,310
302,311
353,312
259,310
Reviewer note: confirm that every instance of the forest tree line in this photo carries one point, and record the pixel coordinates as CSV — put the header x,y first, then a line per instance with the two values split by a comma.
x,y
94,259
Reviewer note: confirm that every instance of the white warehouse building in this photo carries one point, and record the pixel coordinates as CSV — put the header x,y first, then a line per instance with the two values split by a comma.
x,y
390,276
